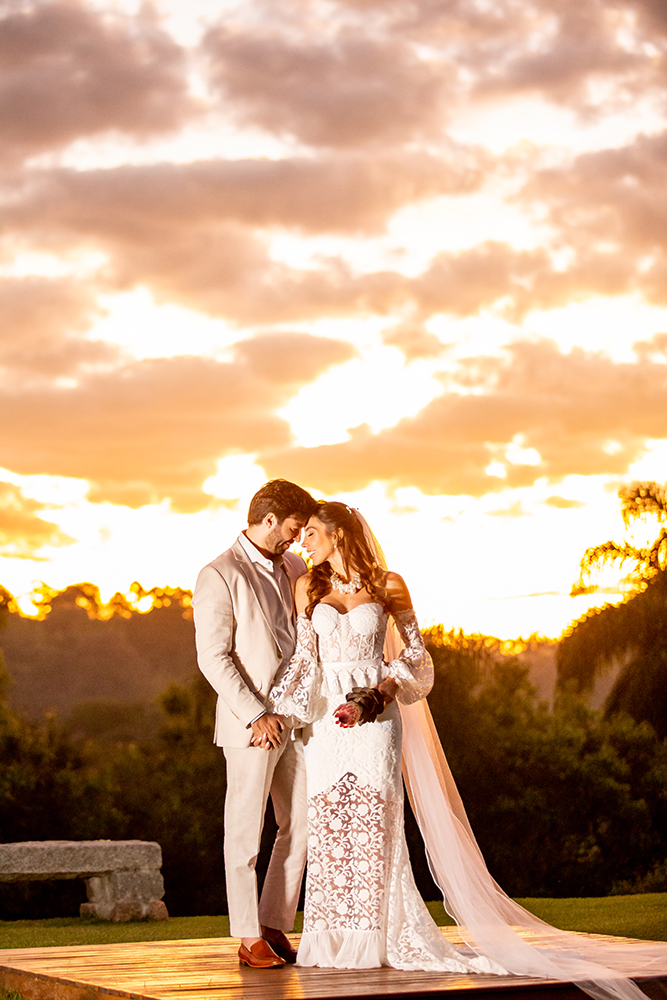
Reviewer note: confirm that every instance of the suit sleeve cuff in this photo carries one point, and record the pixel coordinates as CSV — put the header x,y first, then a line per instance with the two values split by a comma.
x,y
253,721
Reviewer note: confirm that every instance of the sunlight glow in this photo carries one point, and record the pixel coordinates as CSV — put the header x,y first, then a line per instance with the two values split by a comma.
x,y
518,455
45,265
521,124
378,390
652,464
430,289
58,490
611,325
146,329
459,223
237,476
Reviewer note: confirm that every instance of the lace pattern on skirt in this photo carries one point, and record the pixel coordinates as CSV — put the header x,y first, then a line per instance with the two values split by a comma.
x,y
350,834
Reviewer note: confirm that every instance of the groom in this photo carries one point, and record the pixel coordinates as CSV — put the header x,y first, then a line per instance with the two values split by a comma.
x,y
245,630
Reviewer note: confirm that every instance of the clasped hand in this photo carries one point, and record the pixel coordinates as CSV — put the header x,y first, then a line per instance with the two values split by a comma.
x,y
267,731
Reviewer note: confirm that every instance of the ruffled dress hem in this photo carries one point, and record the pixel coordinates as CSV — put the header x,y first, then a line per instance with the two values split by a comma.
x,y
344,949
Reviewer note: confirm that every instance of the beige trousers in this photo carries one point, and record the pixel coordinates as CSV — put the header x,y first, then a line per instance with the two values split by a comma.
x,y
252,775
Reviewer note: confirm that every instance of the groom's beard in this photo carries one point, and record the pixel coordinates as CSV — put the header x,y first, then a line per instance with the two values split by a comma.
x,y
276,543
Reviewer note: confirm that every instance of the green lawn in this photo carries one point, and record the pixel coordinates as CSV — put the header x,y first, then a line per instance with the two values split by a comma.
x,y
638,916
641,916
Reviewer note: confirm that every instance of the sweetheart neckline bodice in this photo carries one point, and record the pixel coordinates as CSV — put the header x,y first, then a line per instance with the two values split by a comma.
x,y
344,614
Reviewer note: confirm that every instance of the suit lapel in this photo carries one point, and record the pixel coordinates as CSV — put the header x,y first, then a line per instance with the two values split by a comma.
x,y
294,566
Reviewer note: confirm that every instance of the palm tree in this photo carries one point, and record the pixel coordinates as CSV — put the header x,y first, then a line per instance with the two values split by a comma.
x,y
633,633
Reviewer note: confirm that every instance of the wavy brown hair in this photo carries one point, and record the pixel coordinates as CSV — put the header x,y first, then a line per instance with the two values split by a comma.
x,y
282,498
355,550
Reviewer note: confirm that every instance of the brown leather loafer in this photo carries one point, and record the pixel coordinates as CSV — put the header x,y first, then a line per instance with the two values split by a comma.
x,y
260,955
281,945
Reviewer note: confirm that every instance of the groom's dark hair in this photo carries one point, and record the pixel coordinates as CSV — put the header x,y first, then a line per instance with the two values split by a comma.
x,y
282,498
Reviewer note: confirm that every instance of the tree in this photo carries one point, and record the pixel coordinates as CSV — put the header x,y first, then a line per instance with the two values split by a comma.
x,y
633,633
561,802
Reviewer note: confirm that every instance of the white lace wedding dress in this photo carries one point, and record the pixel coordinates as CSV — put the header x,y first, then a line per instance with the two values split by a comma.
x,y
362,907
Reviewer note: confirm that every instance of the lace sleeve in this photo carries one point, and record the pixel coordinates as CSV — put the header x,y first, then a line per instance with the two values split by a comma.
x,y
296,692
413,668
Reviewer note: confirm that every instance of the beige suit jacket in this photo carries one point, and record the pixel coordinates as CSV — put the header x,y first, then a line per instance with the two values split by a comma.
x,y
237,648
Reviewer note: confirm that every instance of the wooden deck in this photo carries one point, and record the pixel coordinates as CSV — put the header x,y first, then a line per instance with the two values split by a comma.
x,y
208,969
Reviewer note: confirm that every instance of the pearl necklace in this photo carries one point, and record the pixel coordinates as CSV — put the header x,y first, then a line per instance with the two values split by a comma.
x,y
351,587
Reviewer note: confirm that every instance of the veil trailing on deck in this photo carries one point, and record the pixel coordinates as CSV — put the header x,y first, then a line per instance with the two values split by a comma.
x,y
491,923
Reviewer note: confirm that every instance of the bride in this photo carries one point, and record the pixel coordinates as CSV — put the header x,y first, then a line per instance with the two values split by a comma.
x,y
357,683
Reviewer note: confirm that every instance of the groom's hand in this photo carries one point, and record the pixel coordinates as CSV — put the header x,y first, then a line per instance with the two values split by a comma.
x,y
267,730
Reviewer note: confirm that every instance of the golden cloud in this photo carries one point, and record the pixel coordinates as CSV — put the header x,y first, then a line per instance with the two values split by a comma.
x,y
562,53
342,194
68,71
154,429
22,532
413,340
581,412
188,231
367,71
40,319
611,207
339,90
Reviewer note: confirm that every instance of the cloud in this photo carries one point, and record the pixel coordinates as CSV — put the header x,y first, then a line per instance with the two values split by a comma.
x,y
652,16
565,51
68,71
586,55
338,90
332,194
41,320
581,412
22,532
195,232
154,429
654,349
617,195
414,341
493,274
285,359
611,207
562,503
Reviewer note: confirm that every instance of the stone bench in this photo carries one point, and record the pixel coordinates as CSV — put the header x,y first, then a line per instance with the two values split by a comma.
x,y
123,877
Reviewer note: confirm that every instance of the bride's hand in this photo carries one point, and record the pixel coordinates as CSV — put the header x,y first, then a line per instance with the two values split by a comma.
x,y
347,715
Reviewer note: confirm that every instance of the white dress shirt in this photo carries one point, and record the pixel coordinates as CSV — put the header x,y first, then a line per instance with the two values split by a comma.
x,y
277,591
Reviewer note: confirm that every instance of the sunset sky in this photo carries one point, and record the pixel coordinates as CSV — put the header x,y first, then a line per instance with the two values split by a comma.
x,y
411,254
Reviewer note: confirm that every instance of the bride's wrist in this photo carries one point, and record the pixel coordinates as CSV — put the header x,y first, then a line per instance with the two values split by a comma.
x,y
388,689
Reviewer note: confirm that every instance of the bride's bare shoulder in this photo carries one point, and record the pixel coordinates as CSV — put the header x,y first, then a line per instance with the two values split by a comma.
x,y
303,581
301,591
395,590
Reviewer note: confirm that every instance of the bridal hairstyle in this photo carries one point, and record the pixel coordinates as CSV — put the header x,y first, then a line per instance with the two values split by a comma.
x,y
354,548
282,498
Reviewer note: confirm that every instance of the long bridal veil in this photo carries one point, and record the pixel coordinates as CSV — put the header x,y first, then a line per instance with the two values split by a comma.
x,y
491,923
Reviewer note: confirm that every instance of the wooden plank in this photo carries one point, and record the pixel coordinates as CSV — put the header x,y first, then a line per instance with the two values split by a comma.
x,y
208,969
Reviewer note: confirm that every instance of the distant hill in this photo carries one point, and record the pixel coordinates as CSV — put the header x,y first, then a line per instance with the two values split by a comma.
x,y
113,661
84,651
